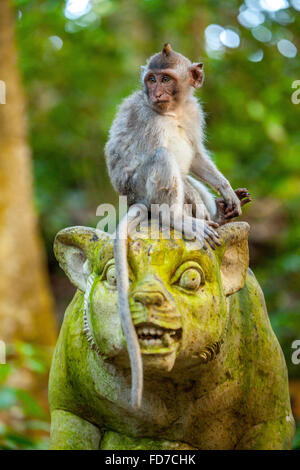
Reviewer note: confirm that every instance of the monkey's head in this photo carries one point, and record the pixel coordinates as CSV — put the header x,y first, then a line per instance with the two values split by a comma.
x,y
177,294
169,78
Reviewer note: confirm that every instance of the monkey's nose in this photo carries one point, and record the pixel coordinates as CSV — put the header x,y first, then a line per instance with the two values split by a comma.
x,y
149,298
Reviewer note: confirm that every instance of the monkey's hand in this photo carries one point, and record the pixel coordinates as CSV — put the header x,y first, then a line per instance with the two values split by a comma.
x,y
199,229
231,201
224,214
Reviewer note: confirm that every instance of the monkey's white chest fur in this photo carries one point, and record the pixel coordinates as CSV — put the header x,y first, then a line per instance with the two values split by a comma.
x,y
178,143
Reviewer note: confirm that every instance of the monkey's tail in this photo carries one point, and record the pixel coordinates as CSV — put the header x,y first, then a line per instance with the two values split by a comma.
x,y
120,249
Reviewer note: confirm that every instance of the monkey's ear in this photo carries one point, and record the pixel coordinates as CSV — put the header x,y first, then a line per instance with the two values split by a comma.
x,y
196,75
143,71
74,247
233,255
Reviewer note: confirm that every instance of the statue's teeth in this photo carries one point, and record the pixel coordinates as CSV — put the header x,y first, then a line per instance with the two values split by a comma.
x,y
151,342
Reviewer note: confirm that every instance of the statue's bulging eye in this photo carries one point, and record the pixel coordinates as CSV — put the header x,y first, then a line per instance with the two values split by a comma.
x,y
190,279
111,275
189,276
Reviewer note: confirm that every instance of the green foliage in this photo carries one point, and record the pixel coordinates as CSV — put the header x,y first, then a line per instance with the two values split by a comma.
x,y
24,424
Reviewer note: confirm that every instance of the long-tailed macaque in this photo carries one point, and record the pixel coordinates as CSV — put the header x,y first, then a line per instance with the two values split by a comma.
x,y
156,139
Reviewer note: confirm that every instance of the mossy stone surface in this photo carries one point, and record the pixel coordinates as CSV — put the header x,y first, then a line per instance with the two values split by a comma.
x,y
220,384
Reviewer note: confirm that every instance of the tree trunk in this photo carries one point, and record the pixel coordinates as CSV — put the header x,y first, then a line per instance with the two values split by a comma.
x,y
26,306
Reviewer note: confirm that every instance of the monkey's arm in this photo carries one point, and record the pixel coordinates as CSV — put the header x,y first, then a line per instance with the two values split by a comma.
x,y
70,432
206,171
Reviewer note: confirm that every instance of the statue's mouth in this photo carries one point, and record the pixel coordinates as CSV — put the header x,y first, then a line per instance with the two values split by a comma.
x,y
154,339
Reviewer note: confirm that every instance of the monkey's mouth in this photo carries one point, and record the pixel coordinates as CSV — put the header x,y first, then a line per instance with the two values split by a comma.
x,y
161,102
154,339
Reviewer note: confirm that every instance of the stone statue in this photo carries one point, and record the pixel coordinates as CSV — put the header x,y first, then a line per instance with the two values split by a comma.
x,y
214,373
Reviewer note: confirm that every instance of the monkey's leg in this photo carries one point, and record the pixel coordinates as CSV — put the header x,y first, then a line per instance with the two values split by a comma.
x,y
163,180
202,193
164,185
193,200
203,206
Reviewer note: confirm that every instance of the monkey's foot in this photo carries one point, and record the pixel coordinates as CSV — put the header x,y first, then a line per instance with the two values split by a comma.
x,y
210,235
199,229
225,214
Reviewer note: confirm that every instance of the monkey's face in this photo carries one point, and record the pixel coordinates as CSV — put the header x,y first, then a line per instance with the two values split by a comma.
x,y
169,78
162,89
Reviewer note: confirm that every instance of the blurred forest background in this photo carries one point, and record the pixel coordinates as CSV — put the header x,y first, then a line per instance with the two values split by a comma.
x,y
73,63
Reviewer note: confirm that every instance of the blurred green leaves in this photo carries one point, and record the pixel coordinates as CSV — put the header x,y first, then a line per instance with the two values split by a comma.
x,y
10,396
24,423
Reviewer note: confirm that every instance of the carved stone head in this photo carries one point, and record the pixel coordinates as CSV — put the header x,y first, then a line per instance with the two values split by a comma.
x,y
177,294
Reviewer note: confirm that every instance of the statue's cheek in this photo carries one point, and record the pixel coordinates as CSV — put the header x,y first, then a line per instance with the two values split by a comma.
x,y
105,321
203,319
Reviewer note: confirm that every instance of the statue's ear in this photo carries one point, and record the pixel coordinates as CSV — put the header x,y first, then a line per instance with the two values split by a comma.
x,y
234,255
73,248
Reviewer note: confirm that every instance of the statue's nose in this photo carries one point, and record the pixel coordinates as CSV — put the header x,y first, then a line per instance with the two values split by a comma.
x,y
149,298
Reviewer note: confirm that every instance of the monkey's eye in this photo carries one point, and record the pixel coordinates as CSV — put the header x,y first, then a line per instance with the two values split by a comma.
x,y
166,78
189,276
152,78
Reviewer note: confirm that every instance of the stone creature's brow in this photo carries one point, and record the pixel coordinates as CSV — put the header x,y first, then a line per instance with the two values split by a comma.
x,y
204,259
104,260
106,266
196,255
